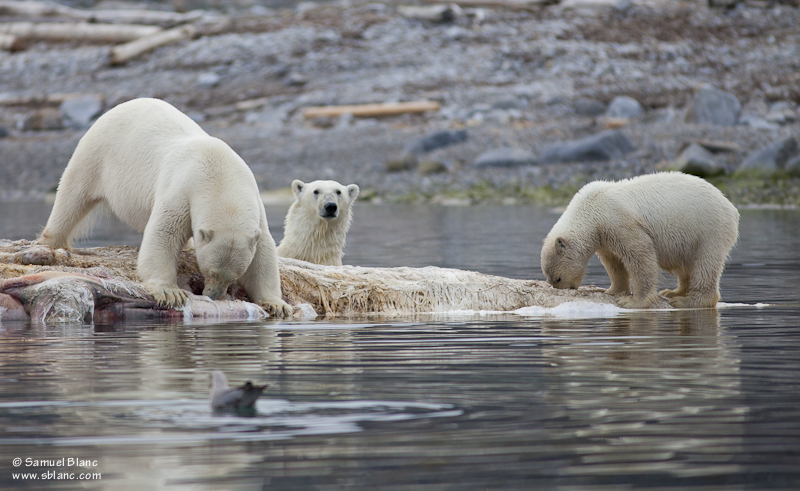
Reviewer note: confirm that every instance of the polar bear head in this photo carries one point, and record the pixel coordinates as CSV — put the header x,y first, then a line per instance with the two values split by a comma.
x,y
224,253
563,264
326,200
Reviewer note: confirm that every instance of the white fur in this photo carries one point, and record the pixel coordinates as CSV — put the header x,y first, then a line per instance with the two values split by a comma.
x,y
670,221
309,234
160,173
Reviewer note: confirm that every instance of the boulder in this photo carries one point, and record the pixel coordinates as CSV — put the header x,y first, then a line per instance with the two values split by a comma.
x,y
432,166
46,118
402,163
608,145
208,79
698,161
793,167
589,107
757,122
712,106
80,111
624,107
772,158
505,157
435,140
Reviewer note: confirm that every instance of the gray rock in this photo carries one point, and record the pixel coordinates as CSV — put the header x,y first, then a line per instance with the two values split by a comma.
x,y
624,107
400,164
46,118
772,158
80,112
623,5
432,166
295,79
757,122
4,132
698,161
712,106
508,104
505,157
793,167
435,140
589,107
208,79
608,145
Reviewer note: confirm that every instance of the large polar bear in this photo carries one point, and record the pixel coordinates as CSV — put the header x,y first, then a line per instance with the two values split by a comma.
x,y
673,221
160,173
317,222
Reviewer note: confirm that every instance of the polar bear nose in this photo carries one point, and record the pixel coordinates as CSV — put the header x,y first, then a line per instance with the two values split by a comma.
x,y
330,210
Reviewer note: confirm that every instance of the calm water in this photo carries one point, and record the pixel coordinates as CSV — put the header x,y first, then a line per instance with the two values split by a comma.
x,y
692,399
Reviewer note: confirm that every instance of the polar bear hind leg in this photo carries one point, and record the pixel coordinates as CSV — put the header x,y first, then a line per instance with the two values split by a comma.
x,y
704,275
73,203
639,258
684,275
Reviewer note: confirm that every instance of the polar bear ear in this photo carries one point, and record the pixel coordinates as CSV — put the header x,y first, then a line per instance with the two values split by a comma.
x,y
561,245
205,235
297,187
352,190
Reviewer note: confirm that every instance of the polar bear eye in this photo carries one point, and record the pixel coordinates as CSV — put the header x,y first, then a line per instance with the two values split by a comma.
x,y
316,192
339,192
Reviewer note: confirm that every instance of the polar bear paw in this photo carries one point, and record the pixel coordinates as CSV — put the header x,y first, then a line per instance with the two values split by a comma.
x,y
671,293
168,296
634,302
277,309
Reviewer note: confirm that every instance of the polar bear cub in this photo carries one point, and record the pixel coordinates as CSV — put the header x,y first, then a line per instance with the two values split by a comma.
x,y
317,222
670,221
160,173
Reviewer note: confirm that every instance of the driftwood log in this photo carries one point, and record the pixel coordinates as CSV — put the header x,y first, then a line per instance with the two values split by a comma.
x,y
102,273
124,52
372,110
135,16
9,42
42,100
502,4
80,31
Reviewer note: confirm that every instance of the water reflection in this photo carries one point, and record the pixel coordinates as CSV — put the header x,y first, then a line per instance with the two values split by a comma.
x,y
701,399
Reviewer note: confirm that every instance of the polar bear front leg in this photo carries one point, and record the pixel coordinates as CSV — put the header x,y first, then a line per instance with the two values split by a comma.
x,y
262,280
640,260
164,237
620,281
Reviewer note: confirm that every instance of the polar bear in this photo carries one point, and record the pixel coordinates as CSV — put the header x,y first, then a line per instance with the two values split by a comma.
x,y
673,221
317,222
160,173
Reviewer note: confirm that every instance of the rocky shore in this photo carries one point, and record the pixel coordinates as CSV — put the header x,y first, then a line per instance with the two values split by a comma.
x,y
533,102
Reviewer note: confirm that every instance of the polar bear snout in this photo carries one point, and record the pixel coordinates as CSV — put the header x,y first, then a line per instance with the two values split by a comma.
x,y
215,291
329,210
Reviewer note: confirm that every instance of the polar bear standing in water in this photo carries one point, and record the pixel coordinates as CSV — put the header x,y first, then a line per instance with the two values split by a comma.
x,y
317,222
671,221
160,173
